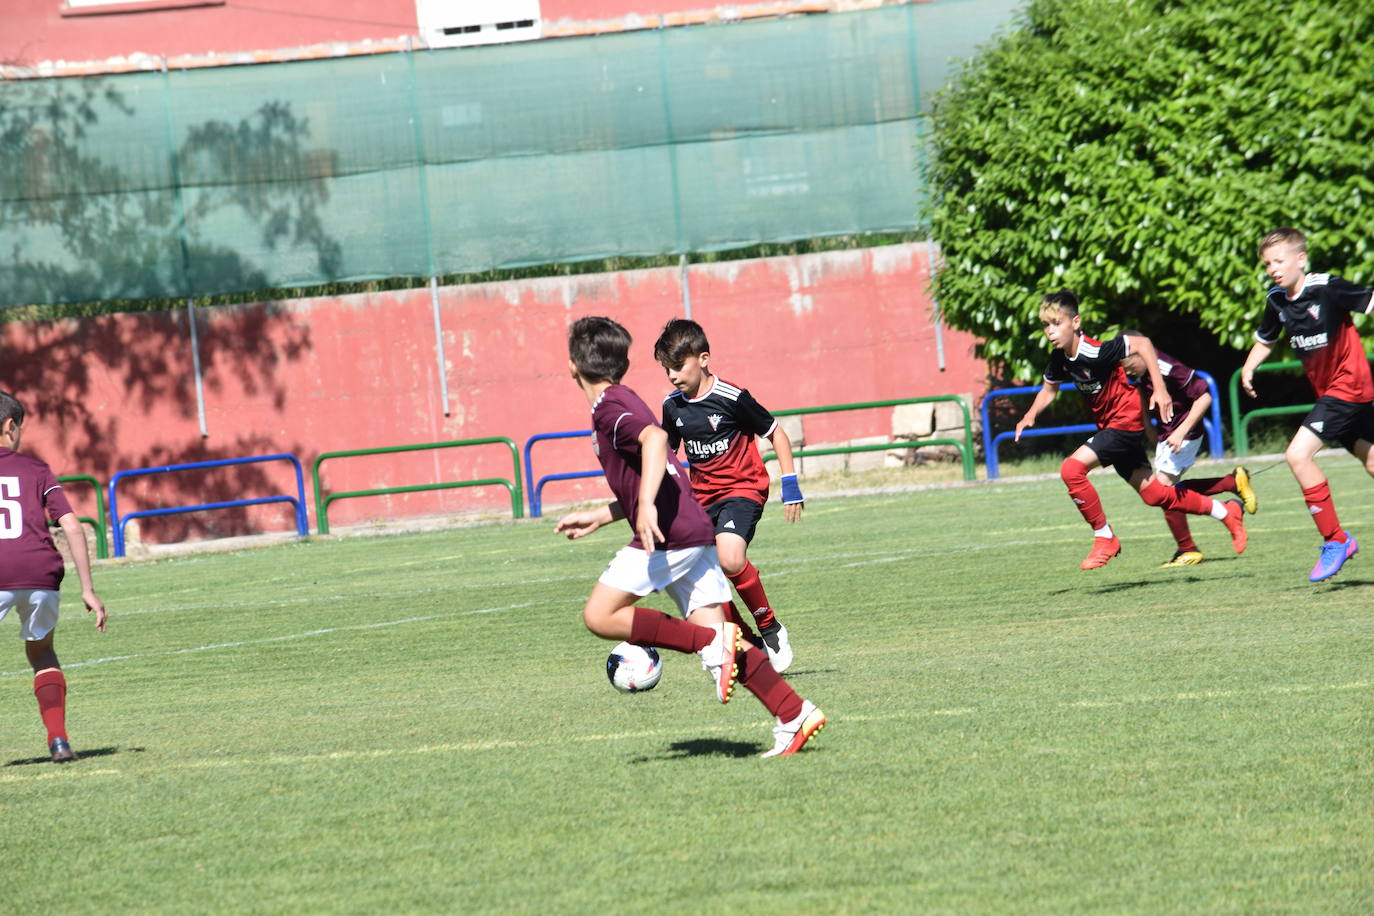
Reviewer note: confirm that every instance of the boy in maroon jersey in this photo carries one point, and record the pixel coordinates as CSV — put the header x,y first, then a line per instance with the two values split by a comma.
x,y
633,451
1095,367
717,423
31,569
1180,440
1315,309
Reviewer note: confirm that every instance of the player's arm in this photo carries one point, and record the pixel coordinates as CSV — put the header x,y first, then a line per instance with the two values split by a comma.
x,y
792,501
1190,422
1151,433
1258,354
81,557
653,464
584,522
1043,398
1159,398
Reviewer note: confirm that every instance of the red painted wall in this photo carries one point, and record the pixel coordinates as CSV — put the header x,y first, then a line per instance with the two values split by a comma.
x,y
311,376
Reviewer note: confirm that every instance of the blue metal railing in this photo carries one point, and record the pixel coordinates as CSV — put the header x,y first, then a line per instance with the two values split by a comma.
x,y
1210,423
536,487
117,522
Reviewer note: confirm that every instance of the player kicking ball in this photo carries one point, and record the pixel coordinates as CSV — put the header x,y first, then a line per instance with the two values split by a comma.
x,y
1095,368
31,568
673,549
1180,440
717,424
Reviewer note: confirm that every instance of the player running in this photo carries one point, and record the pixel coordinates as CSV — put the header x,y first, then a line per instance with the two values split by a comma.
x,y
1095,368
716,423
1180,440
1315,310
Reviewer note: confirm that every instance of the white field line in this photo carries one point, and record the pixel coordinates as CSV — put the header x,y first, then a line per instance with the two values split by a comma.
x,y
246,762
271,639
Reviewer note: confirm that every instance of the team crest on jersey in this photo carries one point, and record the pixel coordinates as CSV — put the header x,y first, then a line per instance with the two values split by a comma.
x,y
714,419
1315,310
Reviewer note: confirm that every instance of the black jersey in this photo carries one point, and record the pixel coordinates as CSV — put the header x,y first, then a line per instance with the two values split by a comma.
x,y
1095,368
1319,328
717,431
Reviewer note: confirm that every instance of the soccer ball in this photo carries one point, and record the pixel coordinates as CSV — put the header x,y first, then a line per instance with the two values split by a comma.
x,y
633,669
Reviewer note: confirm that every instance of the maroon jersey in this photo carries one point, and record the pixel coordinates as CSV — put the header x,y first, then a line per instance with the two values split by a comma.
x,y
1184,386
718,431
618,417
1320,330
29,496
1096,370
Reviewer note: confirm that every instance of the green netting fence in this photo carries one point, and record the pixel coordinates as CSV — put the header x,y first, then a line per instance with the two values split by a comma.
x,y
235,179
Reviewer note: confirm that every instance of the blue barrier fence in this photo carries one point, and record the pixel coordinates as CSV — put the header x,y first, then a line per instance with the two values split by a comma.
x,y
117,522
1211,423
535,488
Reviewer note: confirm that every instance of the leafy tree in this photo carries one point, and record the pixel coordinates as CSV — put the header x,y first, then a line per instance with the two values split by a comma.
x,y
1135,151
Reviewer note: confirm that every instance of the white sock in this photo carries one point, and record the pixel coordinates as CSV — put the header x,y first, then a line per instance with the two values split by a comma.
x,y
1104,532
1219,510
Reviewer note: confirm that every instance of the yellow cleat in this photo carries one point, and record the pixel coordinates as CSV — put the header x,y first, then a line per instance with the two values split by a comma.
x,y
1183,558
1245,491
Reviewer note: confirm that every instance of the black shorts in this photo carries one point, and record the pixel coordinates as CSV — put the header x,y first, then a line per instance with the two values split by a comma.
x,y
736,515
1346,422
1121,449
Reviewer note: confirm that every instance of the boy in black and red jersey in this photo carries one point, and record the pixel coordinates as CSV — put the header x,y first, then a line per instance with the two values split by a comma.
x,y
1095,368
1178,442
673,549
1315,309
31,568
717,423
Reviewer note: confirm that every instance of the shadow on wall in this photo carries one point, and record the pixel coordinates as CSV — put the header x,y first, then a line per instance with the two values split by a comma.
x,y
76,223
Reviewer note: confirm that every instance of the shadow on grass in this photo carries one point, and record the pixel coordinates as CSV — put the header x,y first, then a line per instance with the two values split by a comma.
x,y
81,754
704,747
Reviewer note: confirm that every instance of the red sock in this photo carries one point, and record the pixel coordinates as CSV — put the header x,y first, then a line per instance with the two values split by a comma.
x,y
759,678
655,628
1323,512
1211,486
747,583
1084,496
734,616
1170,498
1178,527
50,688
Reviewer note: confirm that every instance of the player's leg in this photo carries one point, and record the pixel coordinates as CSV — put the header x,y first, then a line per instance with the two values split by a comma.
x,y
1074,472
37,610
1301,454
1237,482
698,595
735,521
1155,492
1171,465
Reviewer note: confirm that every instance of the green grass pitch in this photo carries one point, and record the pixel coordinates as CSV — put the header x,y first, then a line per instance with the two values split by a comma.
x,y
419,723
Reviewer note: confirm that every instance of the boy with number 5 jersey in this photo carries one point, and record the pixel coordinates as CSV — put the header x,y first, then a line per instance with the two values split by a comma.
x,y
717,423
31,568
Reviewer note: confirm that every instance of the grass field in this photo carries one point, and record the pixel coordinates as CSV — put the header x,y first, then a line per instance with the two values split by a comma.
x,y
420,723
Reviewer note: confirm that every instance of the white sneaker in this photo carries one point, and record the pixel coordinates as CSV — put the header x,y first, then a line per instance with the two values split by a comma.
x,y
719,659
788,737
779,648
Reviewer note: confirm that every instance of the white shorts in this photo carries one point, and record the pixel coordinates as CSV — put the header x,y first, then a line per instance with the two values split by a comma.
x,y
37,610
1177,463
690,576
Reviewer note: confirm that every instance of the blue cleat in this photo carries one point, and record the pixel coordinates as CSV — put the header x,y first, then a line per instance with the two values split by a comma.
x,y
1333,556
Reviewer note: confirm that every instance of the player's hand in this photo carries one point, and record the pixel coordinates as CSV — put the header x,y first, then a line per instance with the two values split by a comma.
x,y
1247,383
1026,422
577,524
94,604
1163,404
646,526
1175,440
792,512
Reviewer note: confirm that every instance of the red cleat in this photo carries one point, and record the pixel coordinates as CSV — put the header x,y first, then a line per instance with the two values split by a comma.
x,y
1103,550
1235,523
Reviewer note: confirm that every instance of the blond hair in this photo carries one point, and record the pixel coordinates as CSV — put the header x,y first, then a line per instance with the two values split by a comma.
x,y
1284,235
1063,301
